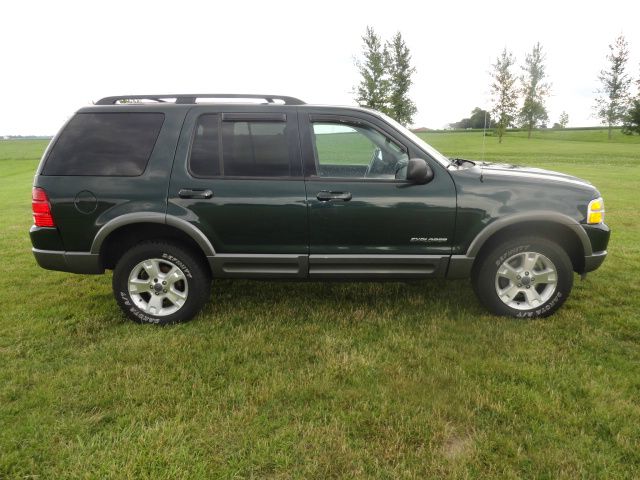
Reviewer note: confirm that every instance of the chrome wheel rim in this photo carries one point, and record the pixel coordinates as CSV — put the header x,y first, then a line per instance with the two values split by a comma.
x,y
526,280
158,287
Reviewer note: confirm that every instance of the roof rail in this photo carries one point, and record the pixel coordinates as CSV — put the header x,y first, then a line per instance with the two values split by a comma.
x,y
191,98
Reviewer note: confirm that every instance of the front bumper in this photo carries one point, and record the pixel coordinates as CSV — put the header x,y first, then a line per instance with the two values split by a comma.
x,y
592,262
599,239
74,262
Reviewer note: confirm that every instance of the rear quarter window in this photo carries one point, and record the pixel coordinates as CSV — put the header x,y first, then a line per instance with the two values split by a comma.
x,y
105,144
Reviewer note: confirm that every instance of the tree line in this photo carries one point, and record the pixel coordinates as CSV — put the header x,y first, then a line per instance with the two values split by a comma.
x,y
614,104
516,100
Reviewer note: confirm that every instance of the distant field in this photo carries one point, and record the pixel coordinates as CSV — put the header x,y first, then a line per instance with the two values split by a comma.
x,y
584,147
311,380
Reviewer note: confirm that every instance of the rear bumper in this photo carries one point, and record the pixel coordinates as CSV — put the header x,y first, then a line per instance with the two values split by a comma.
x,y
74,262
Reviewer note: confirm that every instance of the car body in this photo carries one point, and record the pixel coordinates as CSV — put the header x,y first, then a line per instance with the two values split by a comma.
x,y
281,189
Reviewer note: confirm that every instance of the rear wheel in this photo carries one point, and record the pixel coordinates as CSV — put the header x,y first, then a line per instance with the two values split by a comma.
x,y
524,277
161,283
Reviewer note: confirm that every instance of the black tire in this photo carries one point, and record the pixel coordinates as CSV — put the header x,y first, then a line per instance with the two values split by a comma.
x,y
191,280
486,280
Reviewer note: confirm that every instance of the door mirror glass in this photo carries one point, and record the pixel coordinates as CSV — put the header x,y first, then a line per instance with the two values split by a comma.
x,y
419,171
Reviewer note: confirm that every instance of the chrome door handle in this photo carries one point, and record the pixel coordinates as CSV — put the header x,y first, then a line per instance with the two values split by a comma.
x,y
195,193
327,196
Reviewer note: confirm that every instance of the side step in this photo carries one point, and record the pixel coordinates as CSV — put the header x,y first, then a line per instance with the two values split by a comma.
x,y
237,265
377,266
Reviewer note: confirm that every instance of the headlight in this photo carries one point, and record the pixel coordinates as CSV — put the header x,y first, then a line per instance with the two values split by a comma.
x,y
595,211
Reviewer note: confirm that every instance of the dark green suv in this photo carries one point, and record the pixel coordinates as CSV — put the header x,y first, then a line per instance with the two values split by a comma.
x,y
172,191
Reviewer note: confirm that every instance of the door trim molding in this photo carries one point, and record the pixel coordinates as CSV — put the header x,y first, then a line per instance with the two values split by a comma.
x,y
336,267
377,266
253,265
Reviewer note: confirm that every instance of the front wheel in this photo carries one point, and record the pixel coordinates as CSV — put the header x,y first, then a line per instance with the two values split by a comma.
x,y
161,283
524,277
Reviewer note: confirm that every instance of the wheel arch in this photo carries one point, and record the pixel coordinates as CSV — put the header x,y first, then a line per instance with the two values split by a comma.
x,y
562,229
122,232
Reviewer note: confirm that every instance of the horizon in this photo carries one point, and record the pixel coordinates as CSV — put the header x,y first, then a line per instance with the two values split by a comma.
x,y
413,129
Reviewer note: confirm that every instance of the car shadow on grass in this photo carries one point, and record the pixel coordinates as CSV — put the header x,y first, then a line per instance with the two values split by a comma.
x,y
242,301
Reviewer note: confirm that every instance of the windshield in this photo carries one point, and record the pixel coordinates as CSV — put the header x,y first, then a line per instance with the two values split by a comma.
x,y
420,142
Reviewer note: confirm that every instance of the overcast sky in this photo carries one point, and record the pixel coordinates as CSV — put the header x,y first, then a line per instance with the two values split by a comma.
x,y
58,56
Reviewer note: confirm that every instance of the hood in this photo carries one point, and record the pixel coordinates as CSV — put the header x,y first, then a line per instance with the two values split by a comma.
x,y
514,171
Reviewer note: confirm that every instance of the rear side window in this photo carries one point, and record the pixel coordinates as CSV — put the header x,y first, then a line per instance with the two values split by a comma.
x,y
105,144
240,148
205,151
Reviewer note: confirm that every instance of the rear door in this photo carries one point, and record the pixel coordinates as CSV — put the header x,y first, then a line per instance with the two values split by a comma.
x,y
237,176
365,218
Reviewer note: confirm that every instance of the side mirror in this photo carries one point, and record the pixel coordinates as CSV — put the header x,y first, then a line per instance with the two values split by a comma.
x,y
419,171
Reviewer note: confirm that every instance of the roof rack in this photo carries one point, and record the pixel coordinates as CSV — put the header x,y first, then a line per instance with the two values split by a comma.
x,y
191,98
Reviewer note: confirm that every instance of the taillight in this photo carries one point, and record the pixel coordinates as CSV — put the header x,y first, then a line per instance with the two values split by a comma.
x,y
41,209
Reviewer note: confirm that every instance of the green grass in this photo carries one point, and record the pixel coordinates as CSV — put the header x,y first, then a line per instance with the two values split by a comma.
x,y
344,148
312,380
551,148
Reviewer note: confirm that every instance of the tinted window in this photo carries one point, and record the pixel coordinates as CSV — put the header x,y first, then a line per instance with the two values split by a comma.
x,y
356,151
249,149
105,144
205,150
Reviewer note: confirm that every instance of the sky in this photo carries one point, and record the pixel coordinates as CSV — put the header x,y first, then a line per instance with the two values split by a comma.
x,y
58,56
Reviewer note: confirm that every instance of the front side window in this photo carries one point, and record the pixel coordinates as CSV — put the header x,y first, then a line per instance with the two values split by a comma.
x,y
105,144
239,148
356,150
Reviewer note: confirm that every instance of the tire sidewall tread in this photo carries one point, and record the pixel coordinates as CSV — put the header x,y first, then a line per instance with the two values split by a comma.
x,y
199,281
483,278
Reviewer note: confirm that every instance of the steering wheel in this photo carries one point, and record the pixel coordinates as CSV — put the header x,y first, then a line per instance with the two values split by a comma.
x,y
376,159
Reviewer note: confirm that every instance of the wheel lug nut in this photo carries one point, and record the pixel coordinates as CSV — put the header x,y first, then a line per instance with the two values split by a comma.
x,y
164,283
519,285
527,286
526,273
518,277
165,290
155,280
157,293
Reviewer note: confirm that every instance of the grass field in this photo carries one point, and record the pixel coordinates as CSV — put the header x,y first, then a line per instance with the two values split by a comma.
x,y
284,380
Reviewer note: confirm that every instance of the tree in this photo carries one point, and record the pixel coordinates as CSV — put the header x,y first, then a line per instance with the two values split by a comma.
x,y
401,107
564,119
534,90
632,119
477,120
479,117
373,89
462,124
613,95
504,94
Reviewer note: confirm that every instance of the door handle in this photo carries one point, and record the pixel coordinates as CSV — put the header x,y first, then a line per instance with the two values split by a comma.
x,y
327,196
195,193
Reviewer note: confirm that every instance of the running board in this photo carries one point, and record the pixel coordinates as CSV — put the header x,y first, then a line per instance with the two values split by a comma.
x,y
242,265
337,267
377,266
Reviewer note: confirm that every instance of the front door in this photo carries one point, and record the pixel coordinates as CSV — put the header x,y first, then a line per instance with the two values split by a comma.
x,y
237,177
365,218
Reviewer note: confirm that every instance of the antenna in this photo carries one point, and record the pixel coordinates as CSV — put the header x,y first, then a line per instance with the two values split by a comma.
x,y
484,134
484,139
